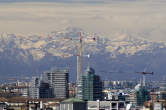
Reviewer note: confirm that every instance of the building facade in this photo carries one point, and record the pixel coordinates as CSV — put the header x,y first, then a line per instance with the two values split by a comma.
x,y
90,86
141,96
73,104
34,88
58,81
45,90
39,89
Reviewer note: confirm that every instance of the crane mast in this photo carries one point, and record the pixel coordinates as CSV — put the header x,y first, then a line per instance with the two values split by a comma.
x,y
144,77
80,55
79,58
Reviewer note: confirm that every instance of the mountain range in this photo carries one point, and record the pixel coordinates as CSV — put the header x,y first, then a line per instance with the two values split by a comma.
x,y
118,57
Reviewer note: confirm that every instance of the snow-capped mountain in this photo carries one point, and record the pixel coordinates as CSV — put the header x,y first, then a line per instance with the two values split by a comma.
x,y
30,55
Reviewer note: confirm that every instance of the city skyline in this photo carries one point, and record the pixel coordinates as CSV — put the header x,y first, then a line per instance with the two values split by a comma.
x,y
82,55
119,26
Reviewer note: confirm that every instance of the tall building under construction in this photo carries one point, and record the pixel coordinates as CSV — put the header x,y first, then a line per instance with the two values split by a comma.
x,y
90,86
141,95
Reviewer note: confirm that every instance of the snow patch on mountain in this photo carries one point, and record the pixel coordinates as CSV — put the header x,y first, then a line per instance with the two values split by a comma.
x,y
64,44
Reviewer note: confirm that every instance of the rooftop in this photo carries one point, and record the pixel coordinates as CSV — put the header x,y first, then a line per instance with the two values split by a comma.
x,y
71,100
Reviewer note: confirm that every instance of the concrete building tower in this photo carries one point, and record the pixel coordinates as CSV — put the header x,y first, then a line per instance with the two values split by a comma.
x,y
34,88
58,81
39,89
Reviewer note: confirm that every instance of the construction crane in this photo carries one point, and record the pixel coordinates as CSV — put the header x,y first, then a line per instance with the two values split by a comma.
x,y
114,72
79,63
79,58
80,54
144,73
144,78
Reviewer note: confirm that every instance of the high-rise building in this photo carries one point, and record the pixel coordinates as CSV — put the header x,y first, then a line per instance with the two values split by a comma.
x,y
39,89
58,81
90,86
141,95
44,90
34,88
163,85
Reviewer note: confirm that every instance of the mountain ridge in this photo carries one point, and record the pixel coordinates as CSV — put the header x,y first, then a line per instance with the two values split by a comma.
x,y
34,54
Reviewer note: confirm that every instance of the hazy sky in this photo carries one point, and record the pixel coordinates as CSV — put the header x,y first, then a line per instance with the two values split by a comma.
x,y
146,18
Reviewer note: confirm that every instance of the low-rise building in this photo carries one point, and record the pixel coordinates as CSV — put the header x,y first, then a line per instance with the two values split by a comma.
x,y
106,105
73,104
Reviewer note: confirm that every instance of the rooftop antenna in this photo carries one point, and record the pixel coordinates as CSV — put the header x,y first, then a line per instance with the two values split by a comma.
x,y
88,60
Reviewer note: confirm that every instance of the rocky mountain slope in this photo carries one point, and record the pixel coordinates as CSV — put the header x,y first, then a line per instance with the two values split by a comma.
x,y
111,58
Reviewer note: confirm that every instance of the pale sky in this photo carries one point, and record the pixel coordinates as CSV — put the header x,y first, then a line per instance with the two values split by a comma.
x,y
146,18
